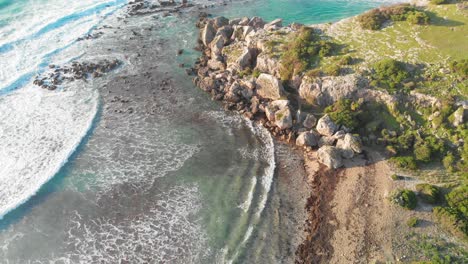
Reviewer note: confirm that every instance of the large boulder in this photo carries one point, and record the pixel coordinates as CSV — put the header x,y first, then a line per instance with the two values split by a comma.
x,y
326,126
208,33
326,141
220,21
256,22
309,91
274,24
217,45
283,118
216,64
349,145
309,121
330,157
207,84
308,139
245,59
269,87
225,32
458,116
266,63
327,90
275,106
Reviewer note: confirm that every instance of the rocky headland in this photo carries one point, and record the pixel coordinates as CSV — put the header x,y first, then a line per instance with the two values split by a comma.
x,y
349,114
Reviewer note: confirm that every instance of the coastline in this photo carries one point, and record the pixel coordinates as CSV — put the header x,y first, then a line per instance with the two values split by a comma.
x,y
349,216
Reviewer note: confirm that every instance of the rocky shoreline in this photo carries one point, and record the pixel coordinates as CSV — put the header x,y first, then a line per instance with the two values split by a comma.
x,y
232,47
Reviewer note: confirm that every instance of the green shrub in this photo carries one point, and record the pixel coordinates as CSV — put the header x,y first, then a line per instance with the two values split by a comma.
x,y
346,60
438,2
418,18
390,74
422,152
332,70
256,73
404,198
412,222
303,52
454,217
460,67
374,19
313,73
428,193
344,112
448,162
395,177
405,162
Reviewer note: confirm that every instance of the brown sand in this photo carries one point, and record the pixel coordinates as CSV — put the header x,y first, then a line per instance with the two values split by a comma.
x,y
350,219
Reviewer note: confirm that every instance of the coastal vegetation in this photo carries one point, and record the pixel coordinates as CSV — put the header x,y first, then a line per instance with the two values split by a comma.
x,y
404,198
454,216
304,52
376,18
387,78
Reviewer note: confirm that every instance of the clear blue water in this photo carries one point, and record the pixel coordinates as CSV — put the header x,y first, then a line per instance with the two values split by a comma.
x,y
178,180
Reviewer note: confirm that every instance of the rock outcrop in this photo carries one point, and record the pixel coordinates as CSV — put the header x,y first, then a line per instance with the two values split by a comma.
x,y
232,48
269,87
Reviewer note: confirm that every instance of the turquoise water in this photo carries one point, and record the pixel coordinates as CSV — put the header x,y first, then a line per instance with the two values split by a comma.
x,y
178,180
304,11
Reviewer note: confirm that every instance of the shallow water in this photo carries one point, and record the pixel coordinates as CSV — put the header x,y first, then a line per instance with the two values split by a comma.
x,y
166,177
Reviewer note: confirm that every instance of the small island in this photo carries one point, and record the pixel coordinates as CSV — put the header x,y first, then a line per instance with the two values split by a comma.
x,y
378,104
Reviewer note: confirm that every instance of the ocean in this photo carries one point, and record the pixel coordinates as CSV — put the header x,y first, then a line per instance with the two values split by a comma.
x,y
138,166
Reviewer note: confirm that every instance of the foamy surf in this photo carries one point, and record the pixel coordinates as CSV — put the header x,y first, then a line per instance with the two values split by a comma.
x,y
266,154
39,131
43,30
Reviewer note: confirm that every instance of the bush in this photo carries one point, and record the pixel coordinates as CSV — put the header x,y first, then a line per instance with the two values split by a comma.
x,y
303,52
395,177
390,74
404,198
344,112
422,152
428,193
375,18
256,73
405,162
460,67
418,18
412,222
372,19
346,60
448,162
438,2
454,217
332,70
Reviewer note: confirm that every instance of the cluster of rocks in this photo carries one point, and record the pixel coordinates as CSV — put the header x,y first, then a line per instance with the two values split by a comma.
x,y
231,47
145,7
77,70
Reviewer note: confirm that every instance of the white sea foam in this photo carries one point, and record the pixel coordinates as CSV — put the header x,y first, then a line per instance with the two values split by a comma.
x,y
165,233
41,29
40,130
